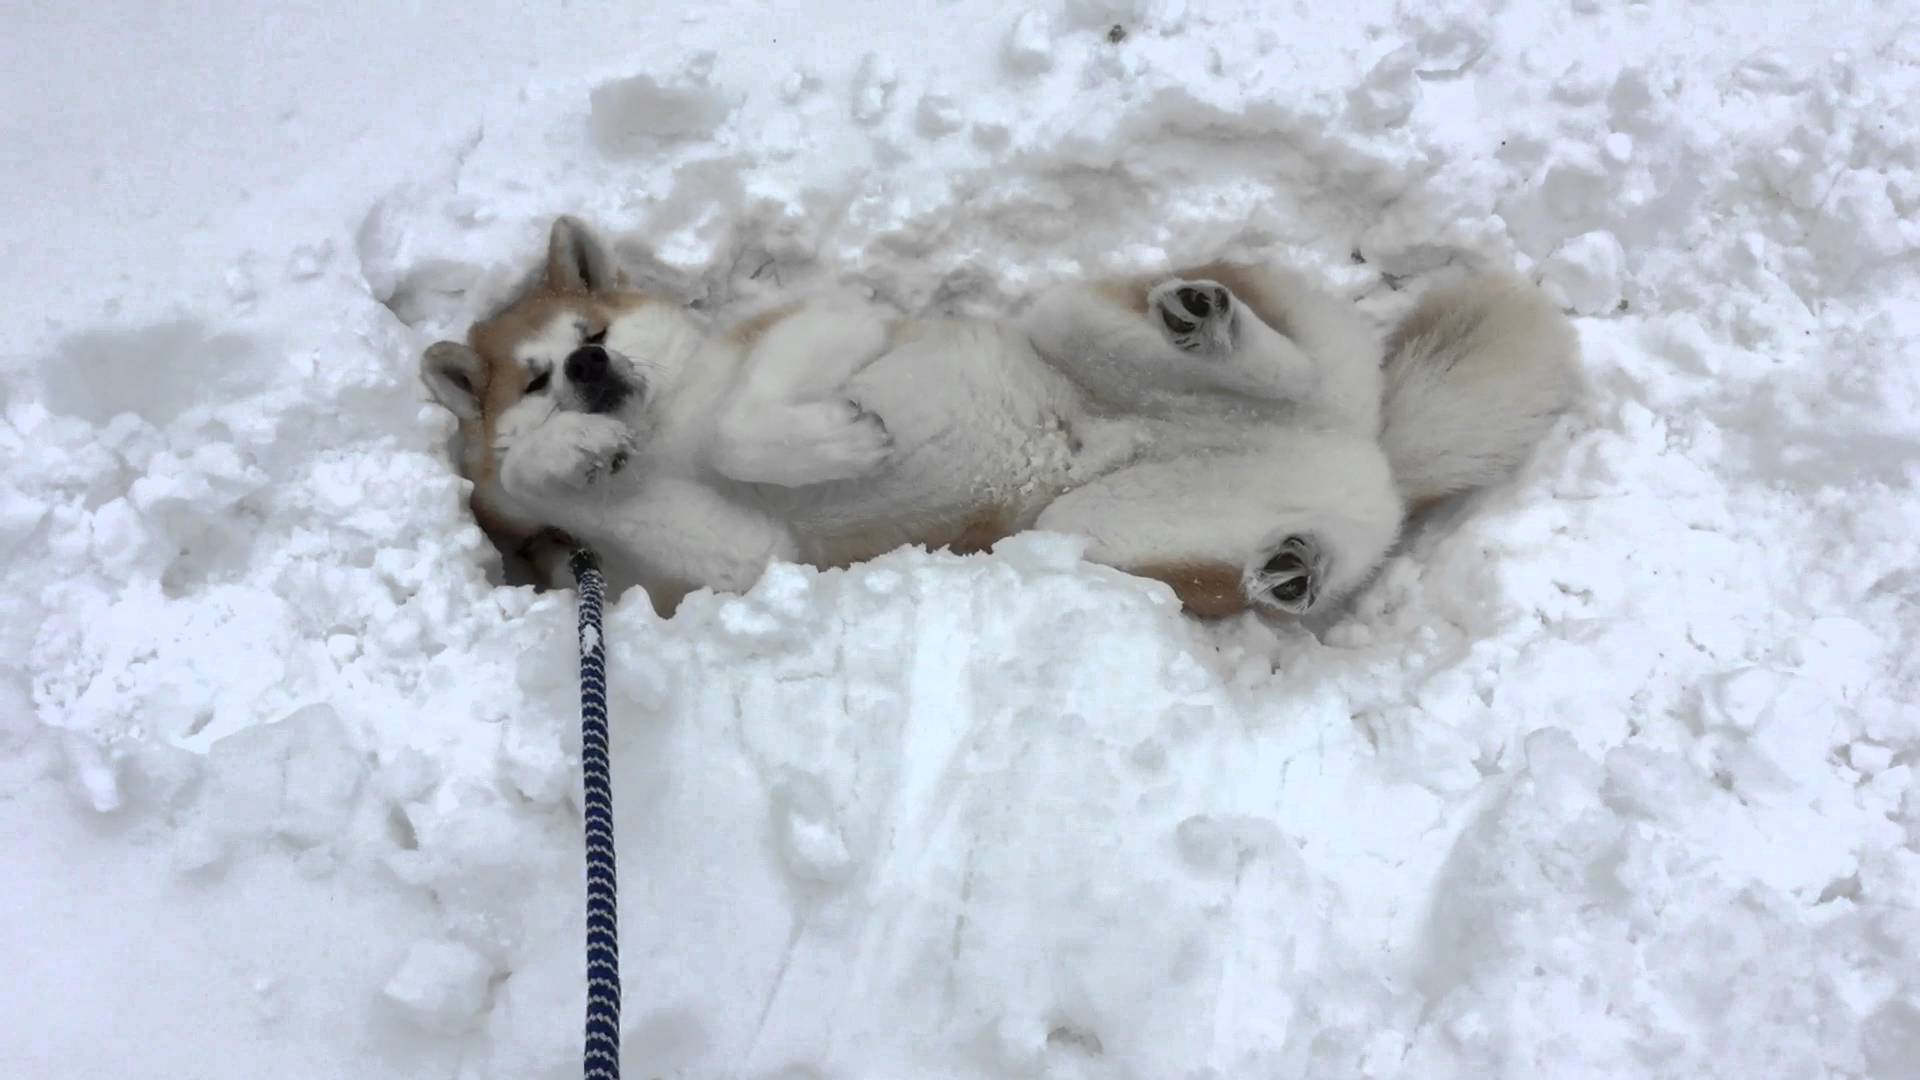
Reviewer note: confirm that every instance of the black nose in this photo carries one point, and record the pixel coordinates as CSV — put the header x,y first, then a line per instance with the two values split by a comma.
x,y
587,364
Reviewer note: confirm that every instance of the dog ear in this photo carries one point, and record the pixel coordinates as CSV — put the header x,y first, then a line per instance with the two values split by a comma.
x,y
456,376
577,261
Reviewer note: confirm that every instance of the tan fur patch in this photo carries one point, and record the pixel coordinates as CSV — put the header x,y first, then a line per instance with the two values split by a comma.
x,y
1420,507
505,530
979,532
495,340
749,331
975,533
1206,589
1127,293
901,331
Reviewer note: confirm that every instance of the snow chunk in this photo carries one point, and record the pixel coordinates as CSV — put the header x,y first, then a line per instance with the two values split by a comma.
x,y
93,774
1448,44
1771,72
1042,552
638,113
1387,94
441,986
294,780
1223,845
1585,273
992,133
873,87
308,261
1858,225
1029,48
938,116
155,372
1892,1039
807,833
798,84
1869,758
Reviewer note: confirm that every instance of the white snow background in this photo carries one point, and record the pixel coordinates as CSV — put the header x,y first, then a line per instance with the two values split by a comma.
x,y
1610,773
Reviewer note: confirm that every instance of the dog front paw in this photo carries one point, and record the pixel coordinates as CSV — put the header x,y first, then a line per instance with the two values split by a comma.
x,y
601,446
797,445
837,440
1195,316
573,450
1289,577
862,443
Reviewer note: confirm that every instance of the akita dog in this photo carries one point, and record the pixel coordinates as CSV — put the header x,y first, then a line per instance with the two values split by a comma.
x,y
1233,431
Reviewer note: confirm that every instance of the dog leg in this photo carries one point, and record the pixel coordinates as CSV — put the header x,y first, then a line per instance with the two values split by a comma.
x,y
794,444
1130,342
1290,529
685,532
789,420
569,453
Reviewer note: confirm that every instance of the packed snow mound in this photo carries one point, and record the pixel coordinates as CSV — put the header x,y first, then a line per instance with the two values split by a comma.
x,y
1609,774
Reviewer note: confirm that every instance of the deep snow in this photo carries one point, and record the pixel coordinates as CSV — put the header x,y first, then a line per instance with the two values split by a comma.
x,y
1611,774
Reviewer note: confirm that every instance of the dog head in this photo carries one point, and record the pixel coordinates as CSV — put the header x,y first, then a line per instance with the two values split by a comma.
x,y
582,339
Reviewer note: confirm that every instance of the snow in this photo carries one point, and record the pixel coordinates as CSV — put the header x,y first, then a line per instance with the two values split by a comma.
x,y
1584,273
1609,774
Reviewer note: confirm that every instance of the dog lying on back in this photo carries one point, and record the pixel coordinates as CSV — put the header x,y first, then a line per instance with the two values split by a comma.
x,y
1233,431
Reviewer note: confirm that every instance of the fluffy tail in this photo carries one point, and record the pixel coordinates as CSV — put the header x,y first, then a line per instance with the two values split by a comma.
x,y
1476,375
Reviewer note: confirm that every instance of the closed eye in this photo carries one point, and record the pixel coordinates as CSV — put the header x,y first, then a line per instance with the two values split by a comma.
x,y
598,337
540,382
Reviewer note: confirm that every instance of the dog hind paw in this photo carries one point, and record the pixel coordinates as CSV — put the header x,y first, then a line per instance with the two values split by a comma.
x,y
1289,577
1195,316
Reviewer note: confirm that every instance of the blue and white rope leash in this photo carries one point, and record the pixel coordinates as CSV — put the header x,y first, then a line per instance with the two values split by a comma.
x,y
602,1058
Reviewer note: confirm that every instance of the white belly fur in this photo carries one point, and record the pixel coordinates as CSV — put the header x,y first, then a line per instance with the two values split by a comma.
x,y
984,437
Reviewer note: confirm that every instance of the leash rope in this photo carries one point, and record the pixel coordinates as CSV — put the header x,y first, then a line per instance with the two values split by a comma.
x,y
602,1057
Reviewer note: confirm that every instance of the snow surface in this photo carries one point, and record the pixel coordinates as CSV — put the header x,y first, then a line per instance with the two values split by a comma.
x,y
1611,774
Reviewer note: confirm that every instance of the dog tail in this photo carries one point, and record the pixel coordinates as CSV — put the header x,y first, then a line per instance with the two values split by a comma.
x,y
1476,375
